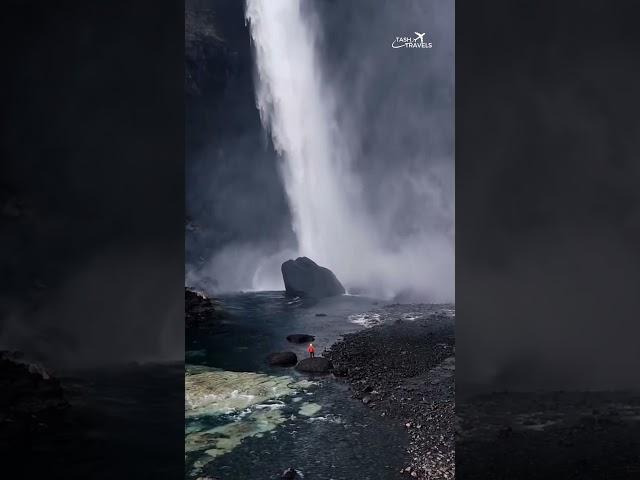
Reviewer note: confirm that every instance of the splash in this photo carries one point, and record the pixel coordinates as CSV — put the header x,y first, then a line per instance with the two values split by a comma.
x,y
331,220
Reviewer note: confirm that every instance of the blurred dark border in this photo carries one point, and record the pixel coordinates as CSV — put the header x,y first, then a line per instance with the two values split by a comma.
x,y
548,239
92,238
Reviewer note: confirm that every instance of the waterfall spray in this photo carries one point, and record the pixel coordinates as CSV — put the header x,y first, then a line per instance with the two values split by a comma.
x,y
298,108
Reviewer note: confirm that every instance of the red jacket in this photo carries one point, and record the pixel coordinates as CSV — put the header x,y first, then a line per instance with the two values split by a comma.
x,y
310,349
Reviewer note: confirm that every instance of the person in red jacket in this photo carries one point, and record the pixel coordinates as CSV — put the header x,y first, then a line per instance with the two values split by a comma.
x,y
311,350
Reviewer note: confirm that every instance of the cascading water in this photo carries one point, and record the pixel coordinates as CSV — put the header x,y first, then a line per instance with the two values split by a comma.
x,y
298,107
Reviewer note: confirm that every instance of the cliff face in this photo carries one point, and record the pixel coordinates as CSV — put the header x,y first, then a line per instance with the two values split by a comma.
x,y
226,155
206,57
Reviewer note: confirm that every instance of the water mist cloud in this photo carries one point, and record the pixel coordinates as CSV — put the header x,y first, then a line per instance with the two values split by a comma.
x,y
115,308
365,136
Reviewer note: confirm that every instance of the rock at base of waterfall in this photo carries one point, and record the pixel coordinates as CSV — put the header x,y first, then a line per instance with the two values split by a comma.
x,y
314,365
304,277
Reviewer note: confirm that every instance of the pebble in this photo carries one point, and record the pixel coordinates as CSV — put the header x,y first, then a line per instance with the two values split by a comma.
x,y
374,357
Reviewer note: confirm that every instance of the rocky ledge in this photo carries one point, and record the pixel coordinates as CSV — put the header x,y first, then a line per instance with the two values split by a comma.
x,y
32,402
405,371
200,311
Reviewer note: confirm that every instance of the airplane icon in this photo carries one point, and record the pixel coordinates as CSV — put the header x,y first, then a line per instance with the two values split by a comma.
x,y
419,36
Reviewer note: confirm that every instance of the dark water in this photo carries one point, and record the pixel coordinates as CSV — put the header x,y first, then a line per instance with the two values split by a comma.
x,y
342,440
123,422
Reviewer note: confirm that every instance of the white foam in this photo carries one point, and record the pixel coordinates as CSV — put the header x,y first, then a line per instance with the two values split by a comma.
x,y
365,319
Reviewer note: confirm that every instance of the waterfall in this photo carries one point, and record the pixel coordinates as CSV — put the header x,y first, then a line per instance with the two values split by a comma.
x,y
298,107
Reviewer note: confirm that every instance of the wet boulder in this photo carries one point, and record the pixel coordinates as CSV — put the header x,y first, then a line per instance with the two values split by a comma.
x,y
289,474
305,278
282,359
300,338
314,365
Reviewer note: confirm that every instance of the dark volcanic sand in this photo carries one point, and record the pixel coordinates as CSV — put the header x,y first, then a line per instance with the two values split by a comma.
x,y
404,369
568,435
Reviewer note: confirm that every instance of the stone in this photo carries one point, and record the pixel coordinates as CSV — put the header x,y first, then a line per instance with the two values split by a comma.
x,y
300,338
314,365
304,277
282,359
289,474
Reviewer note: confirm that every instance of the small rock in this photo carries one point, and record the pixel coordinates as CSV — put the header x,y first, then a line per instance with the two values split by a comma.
x,y
300,338
289,474
314,365
366,399
282,359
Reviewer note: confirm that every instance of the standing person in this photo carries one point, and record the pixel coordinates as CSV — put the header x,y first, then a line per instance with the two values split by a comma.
x,y
311,350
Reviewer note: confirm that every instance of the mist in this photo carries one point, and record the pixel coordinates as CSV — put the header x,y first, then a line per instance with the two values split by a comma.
x,y
92,186
547,253
361,139
116,307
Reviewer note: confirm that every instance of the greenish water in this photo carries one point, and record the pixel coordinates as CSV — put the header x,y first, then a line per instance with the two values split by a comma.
x,y
246,420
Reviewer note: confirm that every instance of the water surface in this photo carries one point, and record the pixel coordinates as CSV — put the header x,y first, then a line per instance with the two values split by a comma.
x,y
258,420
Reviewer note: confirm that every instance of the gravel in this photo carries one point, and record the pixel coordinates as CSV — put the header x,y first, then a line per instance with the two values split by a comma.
x,y
404,369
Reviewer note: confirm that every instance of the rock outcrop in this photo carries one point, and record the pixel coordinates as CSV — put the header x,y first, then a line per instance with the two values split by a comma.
x,y
304,277
200,310
314,365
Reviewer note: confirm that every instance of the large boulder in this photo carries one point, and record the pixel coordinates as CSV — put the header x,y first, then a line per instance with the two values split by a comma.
x,y
282,359
304,277
314,365
300,338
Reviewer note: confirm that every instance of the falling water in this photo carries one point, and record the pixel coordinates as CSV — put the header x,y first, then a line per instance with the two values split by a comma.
x,y
297,106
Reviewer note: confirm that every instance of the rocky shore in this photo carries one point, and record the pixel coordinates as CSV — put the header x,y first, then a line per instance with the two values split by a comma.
x,y
201,311
404,369
540,435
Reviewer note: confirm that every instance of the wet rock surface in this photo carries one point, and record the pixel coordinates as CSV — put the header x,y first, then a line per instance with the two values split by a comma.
x,y
404,369
304,277
314,365
289,474
201,311
529,435
282,359
300,338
